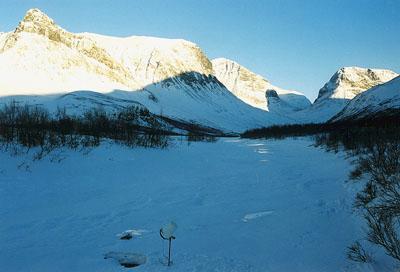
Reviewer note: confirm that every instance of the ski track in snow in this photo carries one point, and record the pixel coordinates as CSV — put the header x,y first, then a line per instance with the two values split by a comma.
x,y
237,209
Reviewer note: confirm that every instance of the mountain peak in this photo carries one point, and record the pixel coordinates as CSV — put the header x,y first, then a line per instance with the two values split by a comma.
x,y
34,21
35,15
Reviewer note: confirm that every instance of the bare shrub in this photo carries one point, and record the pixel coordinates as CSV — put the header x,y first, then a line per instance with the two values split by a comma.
x,y
356,253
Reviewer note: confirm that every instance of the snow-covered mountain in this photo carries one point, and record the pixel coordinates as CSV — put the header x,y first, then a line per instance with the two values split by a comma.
x,y
351,81
343,86
171,77
383,99
256,90
44,64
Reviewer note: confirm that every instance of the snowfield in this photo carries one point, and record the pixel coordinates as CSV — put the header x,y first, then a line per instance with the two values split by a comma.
x,y
240,205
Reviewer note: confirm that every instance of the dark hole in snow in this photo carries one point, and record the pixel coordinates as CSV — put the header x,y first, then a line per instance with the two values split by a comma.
x,y
128,260
126,236
129,265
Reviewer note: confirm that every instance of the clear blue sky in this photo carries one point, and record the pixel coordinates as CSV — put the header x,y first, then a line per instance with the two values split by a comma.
x,y
296,44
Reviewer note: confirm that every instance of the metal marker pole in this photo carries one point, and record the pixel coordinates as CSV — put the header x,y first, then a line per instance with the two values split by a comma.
x,y
169,251
168,237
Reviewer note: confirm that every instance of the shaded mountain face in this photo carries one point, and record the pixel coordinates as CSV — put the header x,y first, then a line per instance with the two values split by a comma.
x,y
252,88
344,85
379,101
170,77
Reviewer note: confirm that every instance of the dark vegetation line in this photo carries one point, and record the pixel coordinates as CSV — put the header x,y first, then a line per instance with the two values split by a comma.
x,y
135,126
33,126
389,123
92,122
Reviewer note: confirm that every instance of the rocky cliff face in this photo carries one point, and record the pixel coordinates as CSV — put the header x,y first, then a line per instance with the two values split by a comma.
x,y
252,88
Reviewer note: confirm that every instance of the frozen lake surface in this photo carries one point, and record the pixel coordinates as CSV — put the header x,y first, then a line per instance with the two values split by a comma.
x,y
240,205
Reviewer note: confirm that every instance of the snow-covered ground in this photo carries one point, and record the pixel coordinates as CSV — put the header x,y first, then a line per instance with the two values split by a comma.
x,y
240,205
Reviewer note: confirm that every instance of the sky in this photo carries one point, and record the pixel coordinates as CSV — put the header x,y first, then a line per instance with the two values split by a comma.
x,y
295,44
